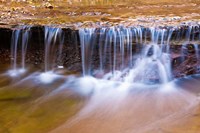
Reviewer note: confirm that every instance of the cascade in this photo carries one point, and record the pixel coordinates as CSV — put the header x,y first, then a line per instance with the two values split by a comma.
x,y
52,35
132,54
125,54
19,42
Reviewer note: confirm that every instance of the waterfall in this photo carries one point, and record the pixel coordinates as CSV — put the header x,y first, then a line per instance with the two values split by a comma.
x,y
191,38
25,39
196,46
52,36
86,39
19,42
130,54
14,47
126,54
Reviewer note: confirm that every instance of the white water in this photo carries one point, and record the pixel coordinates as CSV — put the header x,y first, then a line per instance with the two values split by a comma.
x,y
51,36
122,97
19,40
116,53
124,107
127,54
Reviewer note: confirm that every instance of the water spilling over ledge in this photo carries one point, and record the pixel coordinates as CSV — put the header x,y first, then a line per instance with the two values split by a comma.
x,y
100,66
128,54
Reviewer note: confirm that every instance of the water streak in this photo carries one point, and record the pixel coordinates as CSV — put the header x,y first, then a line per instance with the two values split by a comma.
x,y
52,35
19,42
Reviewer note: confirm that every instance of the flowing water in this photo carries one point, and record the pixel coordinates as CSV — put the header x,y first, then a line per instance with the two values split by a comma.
x,y
126,74
19,40
132,54
51,36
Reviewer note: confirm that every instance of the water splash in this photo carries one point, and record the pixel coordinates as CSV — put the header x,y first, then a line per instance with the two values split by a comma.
x,y
48,77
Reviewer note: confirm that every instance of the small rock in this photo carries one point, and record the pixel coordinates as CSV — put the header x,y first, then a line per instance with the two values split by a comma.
x,y
48,5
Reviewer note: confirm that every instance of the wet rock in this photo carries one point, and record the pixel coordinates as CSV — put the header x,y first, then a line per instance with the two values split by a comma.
x,y
190,71
190,48
178,60
188,67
